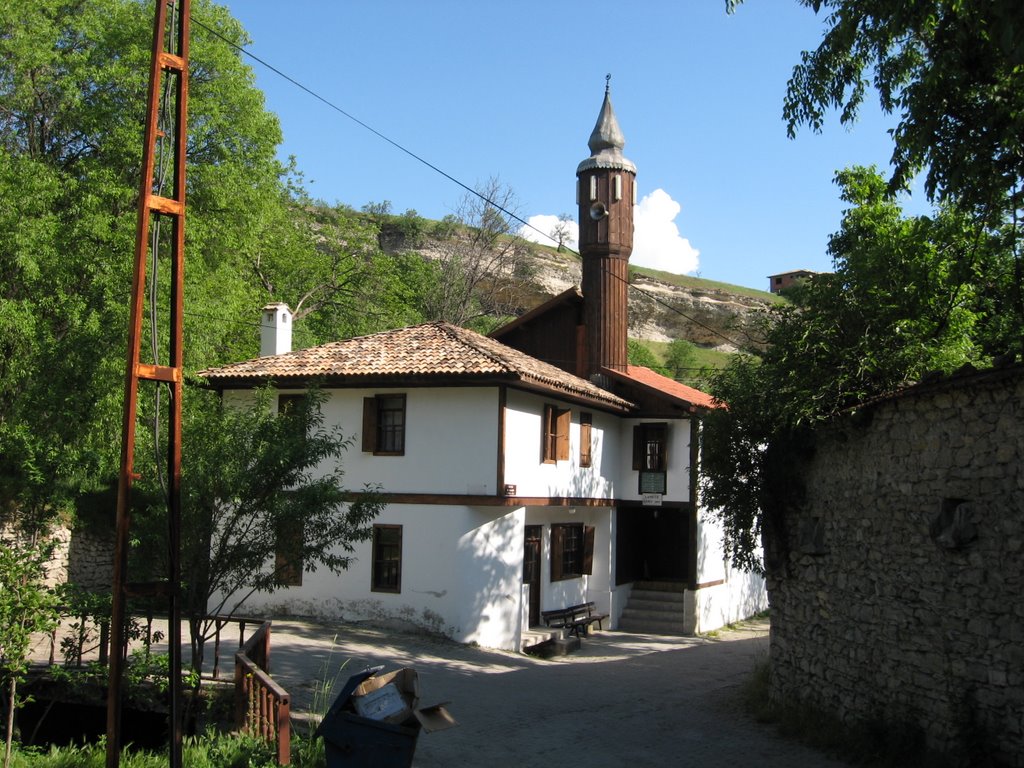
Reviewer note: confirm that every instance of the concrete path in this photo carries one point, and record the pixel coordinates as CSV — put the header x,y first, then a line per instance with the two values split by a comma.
x,y
623,699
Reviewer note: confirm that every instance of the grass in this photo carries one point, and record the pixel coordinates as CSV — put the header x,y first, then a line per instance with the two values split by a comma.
x,y
211,751
214,750
700,284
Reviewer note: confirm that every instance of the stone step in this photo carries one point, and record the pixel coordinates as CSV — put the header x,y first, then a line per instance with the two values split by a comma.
x,y
660,586
655,605
538,635
651,626
670,598
629,612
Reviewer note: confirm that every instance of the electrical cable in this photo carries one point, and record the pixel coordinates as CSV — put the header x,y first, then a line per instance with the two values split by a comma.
x,y
438,170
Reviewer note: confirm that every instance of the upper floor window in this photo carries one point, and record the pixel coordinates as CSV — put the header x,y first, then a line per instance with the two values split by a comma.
x,y
384,425
650,456
650,447
555,439
586,441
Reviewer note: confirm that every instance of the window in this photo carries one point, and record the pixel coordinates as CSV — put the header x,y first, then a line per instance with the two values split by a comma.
x,y
586,455
288,555
384,425
387,558
650,457
572,550
649,447
555,440
289,404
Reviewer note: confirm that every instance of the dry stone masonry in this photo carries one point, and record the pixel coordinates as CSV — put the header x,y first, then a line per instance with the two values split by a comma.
x,y
901,602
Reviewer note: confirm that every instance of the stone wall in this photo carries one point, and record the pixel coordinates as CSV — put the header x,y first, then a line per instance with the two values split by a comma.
x,y
901,601
82,556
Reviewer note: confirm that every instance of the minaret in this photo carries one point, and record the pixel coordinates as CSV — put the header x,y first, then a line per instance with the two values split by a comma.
x,y
606,194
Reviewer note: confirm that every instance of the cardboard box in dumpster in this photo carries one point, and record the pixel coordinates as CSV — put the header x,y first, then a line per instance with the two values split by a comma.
x,y
381,738
394,698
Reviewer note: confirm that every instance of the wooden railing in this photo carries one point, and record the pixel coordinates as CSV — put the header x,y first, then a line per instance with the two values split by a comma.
x,y
262,707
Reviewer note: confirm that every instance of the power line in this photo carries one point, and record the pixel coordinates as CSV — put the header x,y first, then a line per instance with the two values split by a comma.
x,y
440,171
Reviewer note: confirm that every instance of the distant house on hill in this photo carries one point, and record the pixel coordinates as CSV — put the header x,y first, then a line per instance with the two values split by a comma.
x,y
783,280
531,470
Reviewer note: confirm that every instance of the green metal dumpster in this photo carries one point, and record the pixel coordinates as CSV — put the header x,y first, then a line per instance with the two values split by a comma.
x,y
376,720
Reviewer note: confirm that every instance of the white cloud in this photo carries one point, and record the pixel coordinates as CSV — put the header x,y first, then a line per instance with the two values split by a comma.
x,y
657,243
547,223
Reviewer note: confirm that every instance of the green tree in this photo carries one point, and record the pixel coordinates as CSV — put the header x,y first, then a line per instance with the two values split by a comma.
x,y
256,504
953,70
27,606
72,98
638,353
681,360
908,296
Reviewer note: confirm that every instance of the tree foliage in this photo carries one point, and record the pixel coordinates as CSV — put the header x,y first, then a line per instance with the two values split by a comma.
x,y
953,70
908,296
27,606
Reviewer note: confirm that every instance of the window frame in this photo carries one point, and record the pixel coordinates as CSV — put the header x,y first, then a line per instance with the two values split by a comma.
x,y
378,560
645,435
555,424
652,474
373,424
288,562
581,564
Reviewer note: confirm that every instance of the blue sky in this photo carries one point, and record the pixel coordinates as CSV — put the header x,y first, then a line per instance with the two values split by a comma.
x,y
512,90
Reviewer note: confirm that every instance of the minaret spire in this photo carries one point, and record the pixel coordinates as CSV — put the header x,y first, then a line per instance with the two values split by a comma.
x,y
606,193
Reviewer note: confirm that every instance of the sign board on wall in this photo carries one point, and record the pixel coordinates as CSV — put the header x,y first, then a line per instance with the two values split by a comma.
x,y
651,499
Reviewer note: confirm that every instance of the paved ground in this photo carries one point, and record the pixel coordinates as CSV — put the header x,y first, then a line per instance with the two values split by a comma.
x,y
622,699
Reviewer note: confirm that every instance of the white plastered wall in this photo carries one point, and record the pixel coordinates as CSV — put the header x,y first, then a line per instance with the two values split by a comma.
x,y
461,577
731,594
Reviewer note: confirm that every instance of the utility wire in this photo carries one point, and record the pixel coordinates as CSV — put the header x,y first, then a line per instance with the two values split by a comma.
x,y
511,215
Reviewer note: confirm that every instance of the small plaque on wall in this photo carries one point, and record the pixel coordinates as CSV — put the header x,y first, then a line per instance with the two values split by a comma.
x,y
652,482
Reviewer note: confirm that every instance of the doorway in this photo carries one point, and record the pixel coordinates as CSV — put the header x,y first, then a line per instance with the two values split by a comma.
x,y
531,569
652,544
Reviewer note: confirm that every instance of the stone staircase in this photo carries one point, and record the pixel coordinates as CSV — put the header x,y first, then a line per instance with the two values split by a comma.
x,y
656,608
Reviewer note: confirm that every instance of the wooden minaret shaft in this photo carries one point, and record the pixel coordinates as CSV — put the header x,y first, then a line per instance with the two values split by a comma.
x,y
606,243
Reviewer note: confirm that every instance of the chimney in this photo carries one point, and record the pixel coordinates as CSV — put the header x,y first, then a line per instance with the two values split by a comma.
x,y
275,330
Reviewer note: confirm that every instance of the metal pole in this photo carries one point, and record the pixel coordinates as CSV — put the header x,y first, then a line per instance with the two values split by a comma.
x,y
175,64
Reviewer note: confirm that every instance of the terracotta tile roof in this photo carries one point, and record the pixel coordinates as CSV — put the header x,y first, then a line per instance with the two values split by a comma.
x,y
663,384
421,352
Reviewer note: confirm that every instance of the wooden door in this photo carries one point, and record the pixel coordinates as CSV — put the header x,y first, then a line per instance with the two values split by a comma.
x,y
531,569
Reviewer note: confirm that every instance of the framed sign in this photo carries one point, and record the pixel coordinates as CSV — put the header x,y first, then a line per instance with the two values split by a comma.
x,y
652,482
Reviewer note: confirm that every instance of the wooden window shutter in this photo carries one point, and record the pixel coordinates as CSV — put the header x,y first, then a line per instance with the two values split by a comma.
x,y
662,433
562,435
588,549
557,547
369,424
638,446
586,457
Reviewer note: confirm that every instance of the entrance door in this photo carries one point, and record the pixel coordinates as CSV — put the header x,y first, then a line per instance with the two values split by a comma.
x,y
531,570
652,544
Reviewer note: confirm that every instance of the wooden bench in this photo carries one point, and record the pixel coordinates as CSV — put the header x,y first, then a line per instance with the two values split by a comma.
x,y
575,618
